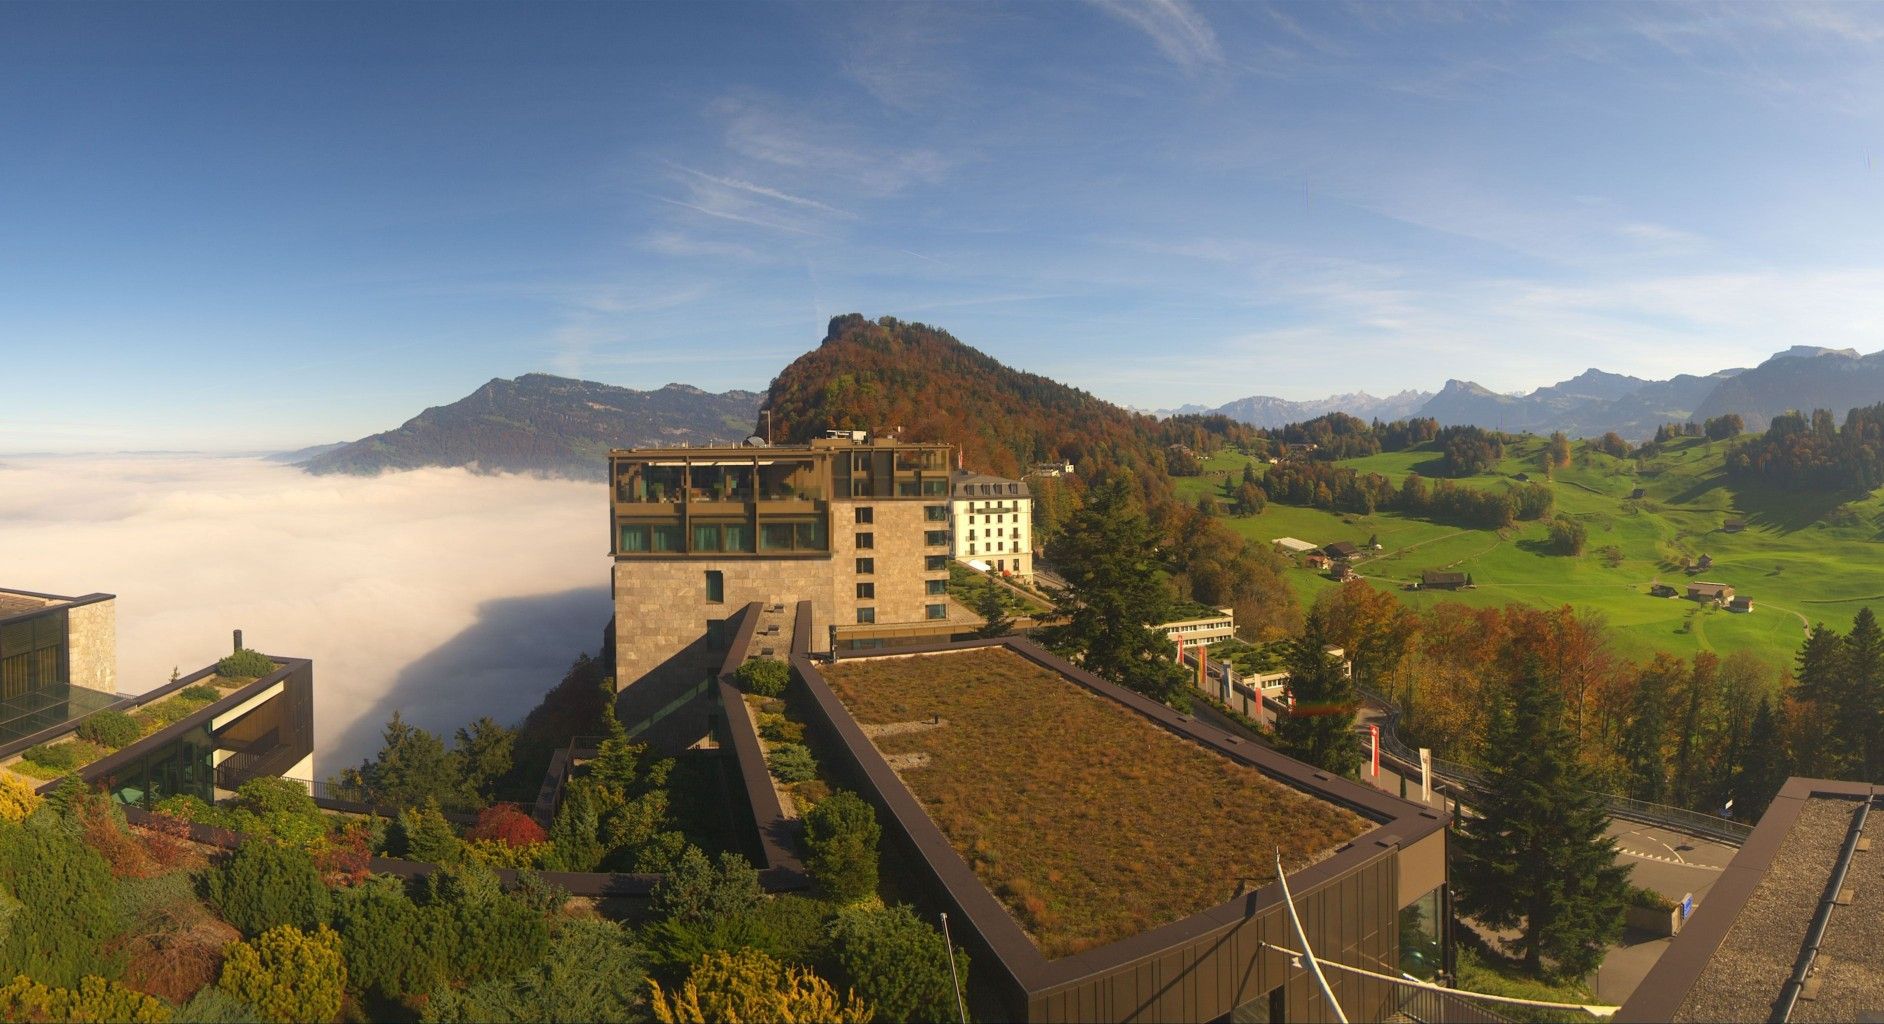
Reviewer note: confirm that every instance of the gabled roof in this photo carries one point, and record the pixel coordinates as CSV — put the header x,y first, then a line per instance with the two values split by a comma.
x,y
1341,549
1441,576
967,486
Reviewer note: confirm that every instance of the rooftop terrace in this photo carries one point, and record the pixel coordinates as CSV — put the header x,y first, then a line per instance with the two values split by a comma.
x,y
1087,820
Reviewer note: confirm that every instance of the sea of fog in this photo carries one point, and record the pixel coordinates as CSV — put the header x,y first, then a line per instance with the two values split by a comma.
x,y
440,593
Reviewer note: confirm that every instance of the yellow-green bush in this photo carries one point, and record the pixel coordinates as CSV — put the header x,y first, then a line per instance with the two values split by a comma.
x,y
288,975
95,1000
495,853
748,986
17,799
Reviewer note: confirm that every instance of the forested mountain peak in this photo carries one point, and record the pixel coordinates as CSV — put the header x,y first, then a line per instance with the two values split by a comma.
x,y
920,383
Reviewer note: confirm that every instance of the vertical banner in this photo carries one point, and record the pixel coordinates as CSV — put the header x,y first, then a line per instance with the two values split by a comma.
x,y
1426,775
1373,733
1203,667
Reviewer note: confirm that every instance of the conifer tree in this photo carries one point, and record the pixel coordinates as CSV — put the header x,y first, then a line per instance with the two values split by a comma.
x,y
1864,687
1825,680
1537,857
1764,763
1108,554
1319,728
1641,748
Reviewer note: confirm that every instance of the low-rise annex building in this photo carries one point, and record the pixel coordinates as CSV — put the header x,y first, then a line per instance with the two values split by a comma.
x,y
58,658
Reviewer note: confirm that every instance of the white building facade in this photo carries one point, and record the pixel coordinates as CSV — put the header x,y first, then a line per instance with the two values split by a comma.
x,y
992,518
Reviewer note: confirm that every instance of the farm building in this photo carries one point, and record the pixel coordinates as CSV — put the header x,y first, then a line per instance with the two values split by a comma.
x,y
1663,590
1637,494
1719,593
1734,525
1706,563
1341,550
1292,545
1316,561
1440,579
1743,603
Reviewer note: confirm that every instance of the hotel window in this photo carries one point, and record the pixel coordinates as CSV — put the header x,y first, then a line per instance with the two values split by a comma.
x,y
706,536
866,541
866,591
935,611
632,537
936,513
936,538
865,515
866,566
715,587
866,615
935,587
667,538
935,563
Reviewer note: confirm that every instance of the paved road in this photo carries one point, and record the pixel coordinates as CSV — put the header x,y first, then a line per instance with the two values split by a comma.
x,y
1668,862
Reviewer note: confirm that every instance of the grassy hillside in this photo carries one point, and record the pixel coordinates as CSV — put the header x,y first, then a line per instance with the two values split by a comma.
x,y
1802,558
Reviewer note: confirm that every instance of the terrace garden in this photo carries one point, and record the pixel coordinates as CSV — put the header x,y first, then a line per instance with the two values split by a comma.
x,y
1087,821
103,732
969,588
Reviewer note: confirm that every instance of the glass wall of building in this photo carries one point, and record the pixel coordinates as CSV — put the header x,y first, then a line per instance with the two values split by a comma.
x,y
1422,936
180,767
34,692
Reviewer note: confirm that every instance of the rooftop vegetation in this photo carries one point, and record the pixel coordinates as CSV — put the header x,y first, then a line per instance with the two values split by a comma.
x,y
1089,822
106,731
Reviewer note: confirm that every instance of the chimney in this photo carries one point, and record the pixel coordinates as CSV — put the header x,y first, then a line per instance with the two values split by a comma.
x,y
238,640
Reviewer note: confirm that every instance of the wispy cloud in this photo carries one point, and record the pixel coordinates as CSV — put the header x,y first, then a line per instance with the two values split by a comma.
x,y
1178,30
765,191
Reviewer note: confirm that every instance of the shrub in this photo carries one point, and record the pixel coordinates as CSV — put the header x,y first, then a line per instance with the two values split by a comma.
x,y
540,896
779,729
693,890
748,985
841,835
205,694
424,835
790,927
265,885
1649,899
495,853
1567,536
587,979
766,677
17,799
212,1005
288,975
95,999
508,824
101,823
112,729
486,934
244,664
59,903
792,762
345,857
898,962
267,794
57,756
392,947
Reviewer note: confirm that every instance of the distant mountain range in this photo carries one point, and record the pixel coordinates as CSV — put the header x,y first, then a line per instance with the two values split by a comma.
x,y
866,374
1595,402
553,426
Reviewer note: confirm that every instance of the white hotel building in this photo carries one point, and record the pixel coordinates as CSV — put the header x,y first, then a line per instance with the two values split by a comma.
x,y
991,518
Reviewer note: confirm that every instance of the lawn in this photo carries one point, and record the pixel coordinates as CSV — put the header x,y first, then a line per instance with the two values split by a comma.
x,y
1803,558
1066,803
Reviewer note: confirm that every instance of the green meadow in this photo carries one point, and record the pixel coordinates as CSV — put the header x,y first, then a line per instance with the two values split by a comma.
x,y
1802,558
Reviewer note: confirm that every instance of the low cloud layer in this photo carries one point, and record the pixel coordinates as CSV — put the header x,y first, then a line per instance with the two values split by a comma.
x,y
441,593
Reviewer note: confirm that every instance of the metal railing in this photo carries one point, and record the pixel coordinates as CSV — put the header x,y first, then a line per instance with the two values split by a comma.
x,y
1679,819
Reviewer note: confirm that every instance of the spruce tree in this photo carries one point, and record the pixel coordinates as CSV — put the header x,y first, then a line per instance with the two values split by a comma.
x,y
1319,728
1864,684
1825,680
1764,764
1641,748
1536,856
1108,554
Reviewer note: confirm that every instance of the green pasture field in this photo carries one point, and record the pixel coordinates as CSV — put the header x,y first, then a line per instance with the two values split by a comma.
x,y
1803,558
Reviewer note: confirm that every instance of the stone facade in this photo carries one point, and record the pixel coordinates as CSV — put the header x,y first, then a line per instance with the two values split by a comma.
x,y
899,535
661,606
92,651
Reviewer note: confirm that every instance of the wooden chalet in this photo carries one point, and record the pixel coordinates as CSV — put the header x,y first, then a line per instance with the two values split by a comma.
x,y
1341,551
1663,590
1742,603
1719,593
1441,579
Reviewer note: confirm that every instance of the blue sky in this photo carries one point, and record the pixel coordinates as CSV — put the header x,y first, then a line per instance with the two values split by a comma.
x,y
232,227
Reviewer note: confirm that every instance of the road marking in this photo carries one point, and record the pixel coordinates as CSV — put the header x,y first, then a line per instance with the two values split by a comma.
x,y
1666,860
